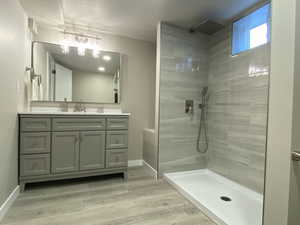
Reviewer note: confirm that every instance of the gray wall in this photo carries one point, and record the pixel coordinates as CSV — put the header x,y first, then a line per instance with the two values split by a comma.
x,y
137,83
237,112
294,199
183,73
92,87
12,64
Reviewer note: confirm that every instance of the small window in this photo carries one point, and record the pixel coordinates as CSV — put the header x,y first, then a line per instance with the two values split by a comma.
x,y
251,31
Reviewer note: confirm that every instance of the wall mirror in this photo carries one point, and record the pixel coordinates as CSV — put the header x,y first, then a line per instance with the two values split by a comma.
x,y
74,75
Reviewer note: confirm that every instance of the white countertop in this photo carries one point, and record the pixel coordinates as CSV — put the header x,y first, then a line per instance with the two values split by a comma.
x,y
75,113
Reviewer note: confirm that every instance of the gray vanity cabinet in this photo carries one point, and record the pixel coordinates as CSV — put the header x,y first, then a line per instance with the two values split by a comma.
x,y
65,152
54,147
92,150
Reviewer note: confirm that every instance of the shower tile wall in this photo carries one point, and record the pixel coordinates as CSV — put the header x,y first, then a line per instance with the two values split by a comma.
x,y
237,112
184,71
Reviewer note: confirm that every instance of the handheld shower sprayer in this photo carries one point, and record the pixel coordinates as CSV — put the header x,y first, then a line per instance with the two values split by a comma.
x,y
203,124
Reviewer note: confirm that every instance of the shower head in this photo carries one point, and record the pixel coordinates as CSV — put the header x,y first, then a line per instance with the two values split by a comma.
x,y
207,27
204,91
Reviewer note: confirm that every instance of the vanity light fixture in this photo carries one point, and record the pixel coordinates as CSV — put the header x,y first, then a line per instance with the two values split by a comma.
x,y
106,58
101,68
65,45
96,49
81,50
96,53
82,42
65,48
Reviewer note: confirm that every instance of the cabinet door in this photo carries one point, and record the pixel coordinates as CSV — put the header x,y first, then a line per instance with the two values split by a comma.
x,y
65,152
92,150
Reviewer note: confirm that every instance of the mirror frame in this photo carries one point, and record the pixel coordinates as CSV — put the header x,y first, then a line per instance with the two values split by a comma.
x,y
76,102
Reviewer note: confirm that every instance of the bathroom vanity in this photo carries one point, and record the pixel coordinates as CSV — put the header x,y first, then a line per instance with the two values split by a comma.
x,y
62,146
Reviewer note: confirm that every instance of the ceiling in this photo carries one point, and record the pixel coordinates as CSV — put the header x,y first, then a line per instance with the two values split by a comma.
x,y
85,63
132,18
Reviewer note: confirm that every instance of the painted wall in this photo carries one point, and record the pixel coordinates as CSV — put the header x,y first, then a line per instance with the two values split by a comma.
x,y
13,45
280,122
237,111
183,74
93,87
137,82
149,149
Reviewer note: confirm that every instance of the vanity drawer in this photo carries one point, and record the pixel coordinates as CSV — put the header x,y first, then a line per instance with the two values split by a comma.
x,y
34,165
116,139
33,143
117,124
116,158
78,124
35,124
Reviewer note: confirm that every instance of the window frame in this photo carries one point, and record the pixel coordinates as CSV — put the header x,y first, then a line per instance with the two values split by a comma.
x,y
242,15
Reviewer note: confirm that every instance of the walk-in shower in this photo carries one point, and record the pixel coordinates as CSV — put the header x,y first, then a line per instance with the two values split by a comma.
x,y
215,156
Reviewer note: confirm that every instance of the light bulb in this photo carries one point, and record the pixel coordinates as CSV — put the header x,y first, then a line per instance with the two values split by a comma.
x,y
101,68
96,52
81,50
106,58
65,46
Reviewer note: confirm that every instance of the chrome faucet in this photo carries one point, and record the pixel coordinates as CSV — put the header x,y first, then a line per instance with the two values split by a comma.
x,y
79,107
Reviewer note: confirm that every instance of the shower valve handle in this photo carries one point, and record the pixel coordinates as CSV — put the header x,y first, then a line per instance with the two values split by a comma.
x,y
189,106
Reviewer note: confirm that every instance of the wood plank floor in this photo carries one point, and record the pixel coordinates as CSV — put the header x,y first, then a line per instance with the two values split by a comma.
x,y
105,201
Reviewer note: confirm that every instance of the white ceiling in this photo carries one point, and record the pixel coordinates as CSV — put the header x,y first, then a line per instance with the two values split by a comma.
x,y
133,18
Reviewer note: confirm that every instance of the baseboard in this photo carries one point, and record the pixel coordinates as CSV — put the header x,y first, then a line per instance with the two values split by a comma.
x,y
150,169
9,201
135,163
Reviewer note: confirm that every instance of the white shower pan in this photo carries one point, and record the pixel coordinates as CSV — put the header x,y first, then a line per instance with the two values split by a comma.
x,y
206,189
